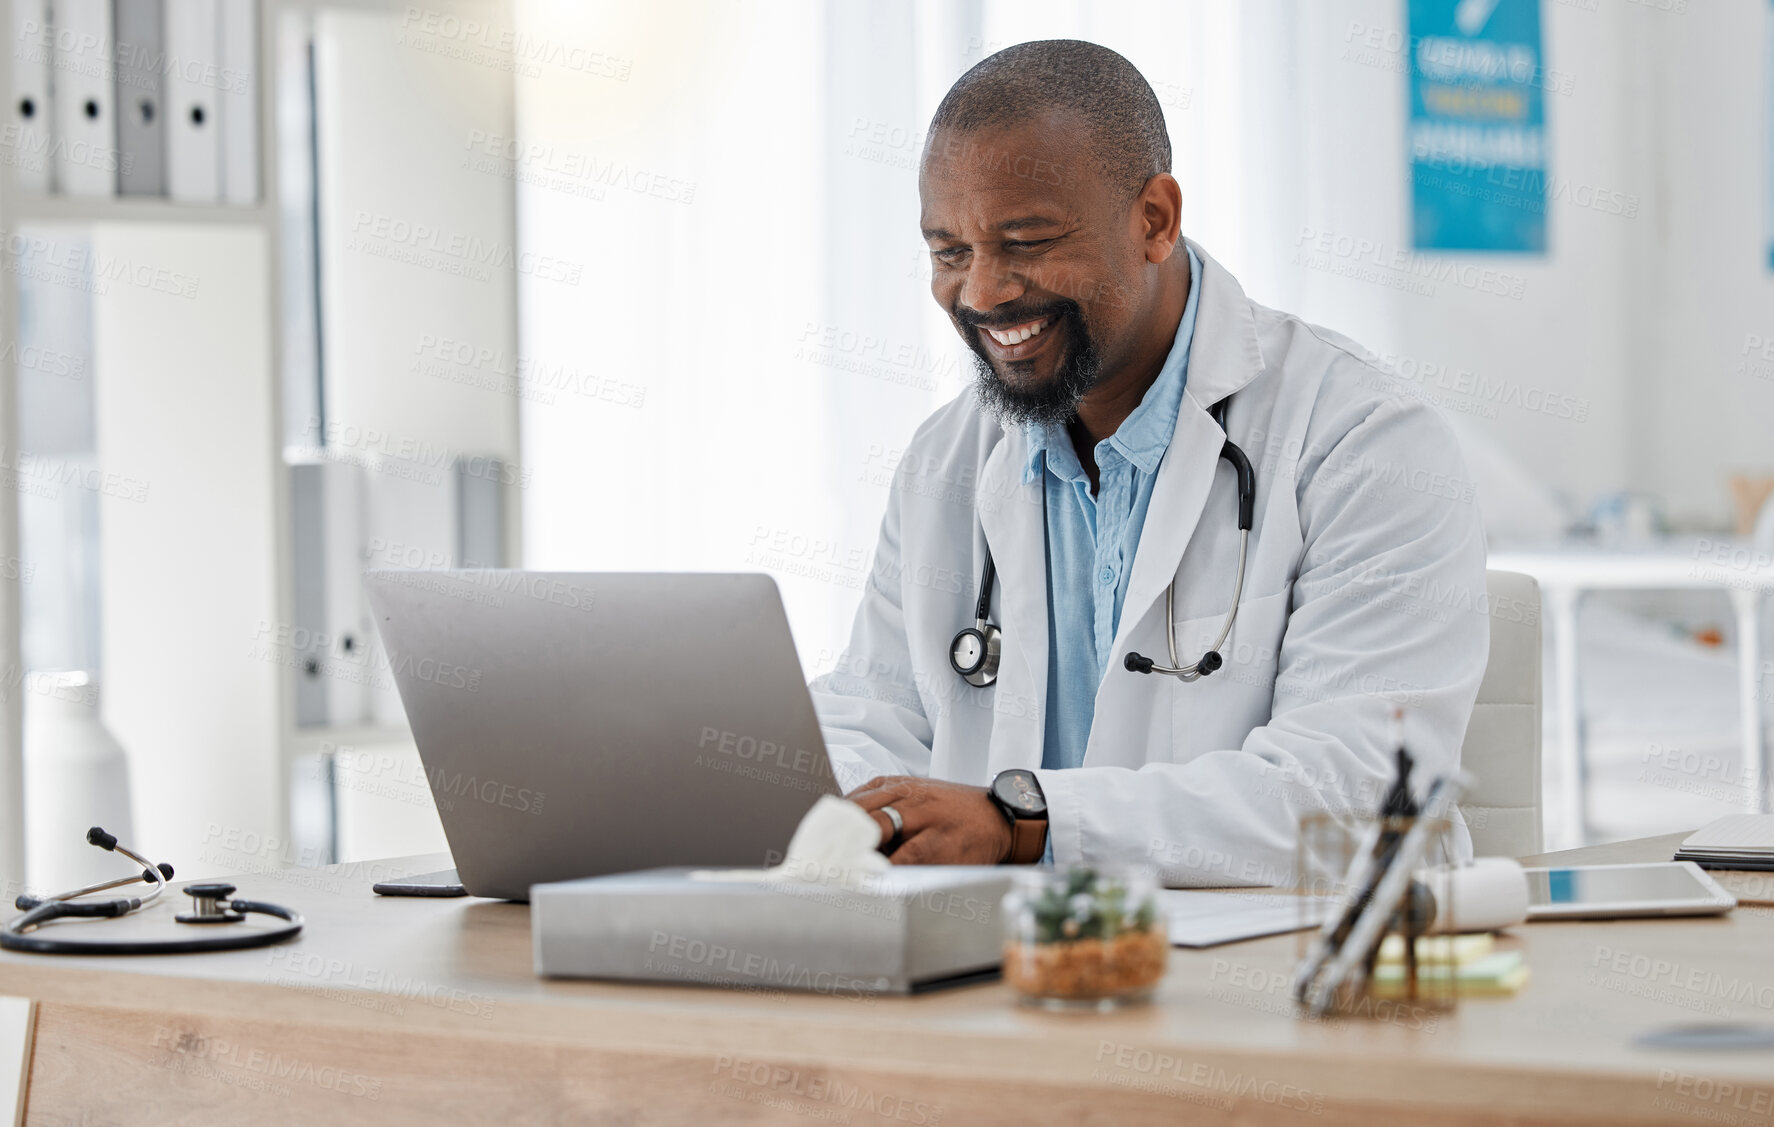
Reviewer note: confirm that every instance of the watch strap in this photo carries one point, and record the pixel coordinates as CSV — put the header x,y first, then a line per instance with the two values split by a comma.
x,y
1028,840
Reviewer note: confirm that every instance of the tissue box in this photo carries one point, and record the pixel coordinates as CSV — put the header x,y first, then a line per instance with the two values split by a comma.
x,y
902,931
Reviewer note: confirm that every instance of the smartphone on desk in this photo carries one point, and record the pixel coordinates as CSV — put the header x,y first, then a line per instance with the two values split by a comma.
x,y
444,882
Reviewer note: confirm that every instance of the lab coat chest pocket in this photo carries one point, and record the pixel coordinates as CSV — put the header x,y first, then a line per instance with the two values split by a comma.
x,y
1216,712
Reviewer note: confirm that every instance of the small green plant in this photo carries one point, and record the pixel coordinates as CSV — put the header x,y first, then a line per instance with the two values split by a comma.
x,y
1086,907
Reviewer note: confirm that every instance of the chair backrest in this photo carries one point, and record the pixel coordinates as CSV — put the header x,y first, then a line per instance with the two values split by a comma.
x,y
1502,747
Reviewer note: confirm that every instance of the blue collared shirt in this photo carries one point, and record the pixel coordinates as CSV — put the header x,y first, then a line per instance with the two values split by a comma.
x,y
1091,541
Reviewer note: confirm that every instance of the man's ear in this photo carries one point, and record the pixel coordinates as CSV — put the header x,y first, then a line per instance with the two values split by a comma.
x,y
1159,213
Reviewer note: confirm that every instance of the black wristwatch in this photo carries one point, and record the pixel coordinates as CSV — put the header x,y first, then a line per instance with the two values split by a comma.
x,y
1018,796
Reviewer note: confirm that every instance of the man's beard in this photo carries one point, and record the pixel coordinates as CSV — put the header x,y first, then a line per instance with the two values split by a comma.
x,y
1054,400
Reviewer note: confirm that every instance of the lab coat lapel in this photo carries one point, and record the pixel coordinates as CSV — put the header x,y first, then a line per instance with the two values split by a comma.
x,y
1223,357
1012,515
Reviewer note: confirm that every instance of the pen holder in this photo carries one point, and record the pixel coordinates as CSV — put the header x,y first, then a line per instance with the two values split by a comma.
x,y
1409,968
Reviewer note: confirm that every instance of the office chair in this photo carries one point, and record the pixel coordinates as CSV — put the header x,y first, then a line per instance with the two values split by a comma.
x,y
1502,746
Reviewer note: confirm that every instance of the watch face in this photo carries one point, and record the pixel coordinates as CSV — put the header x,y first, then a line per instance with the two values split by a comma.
x,y
1019,791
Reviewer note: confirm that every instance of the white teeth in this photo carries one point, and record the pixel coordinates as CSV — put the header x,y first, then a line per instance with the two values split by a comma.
x,y
1017,336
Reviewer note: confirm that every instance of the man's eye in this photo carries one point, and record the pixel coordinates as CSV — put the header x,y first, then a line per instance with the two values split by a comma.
x,y
949,254
1026,244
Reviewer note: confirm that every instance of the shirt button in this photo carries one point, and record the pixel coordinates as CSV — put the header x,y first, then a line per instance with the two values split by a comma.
x,y
1107,575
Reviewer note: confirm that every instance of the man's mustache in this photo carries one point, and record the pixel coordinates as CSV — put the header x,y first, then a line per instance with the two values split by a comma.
x,y
1003,317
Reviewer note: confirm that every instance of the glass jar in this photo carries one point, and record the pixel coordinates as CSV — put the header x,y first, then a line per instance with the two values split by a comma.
x,y
1084,938
1412,971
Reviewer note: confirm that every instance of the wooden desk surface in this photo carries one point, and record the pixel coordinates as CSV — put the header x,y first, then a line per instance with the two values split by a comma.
x,y
398,1010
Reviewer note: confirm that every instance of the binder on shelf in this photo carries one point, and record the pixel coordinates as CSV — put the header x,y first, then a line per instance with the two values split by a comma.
x,y
29,111
193,135
140,113
239,104
81,76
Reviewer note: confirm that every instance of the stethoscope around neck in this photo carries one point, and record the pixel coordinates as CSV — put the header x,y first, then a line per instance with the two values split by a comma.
x,y
977,649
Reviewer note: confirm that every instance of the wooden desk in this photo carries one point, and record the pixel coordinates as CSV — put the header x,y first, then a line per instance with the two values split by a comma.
x,y
426,1011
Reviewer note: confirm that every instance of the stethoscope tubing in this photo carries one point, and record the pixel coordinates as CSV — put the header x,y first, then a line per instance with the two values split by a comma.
x,y
1194,672
984,671
38,944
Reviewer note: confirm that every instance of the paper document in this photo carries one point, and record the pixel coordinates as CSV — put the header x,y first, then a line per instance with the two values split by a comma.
x,y
1206,919
1740,833
1742,841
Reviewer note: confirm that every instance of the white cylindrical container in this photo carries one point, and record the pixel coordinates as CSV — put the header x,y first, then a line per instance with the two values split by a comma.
x,y
76,776
1487,894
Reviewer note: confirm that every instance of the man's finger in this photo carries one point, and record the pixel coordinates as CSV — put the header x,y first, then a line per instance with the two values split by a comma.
x,y
903,794
872,784
920,849
890,790
886,825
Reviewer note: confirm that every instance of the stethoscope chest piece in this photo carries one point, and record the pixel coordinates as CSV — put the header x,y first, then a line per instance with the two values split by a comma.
x,y
211,907
975,652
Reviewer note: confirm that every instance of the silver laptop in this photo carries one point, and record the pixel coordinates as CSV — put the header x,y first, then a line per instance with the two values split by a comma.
x,y
579,724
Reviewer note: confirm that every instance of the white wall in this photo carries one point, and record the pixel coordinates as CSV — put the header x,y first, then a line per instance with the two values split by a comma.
x,y
673,424
1708,396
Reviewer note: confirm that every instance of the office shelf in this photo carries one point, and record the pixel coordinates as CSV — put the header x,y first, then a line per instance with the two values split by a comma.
x,y
189,398
24,208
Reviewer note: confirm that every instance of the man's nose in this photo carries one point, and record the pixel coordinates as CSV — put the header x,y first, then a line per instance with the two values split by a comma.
x,y
988,285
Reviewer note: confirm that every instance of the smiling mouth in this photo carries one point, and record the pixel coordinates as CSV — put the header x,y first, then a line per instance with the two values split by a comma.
x,y
1016,334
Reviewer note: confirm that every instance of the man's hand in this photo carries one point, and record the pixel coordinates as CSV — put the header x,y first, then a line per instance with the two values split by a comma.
x,y
945,823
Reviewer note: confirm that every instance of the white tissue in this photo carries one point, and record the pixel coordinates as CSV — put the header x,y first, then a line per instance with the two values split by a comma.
x,y
837,843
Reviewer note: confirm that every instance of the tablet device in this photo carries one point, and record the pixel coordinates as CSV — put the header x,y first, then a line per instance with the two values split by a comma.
x,y
1586,892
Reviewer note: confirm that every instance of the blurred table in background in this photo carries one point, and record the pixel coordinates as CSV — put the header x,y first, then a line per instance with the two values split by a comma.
x,y
1567,572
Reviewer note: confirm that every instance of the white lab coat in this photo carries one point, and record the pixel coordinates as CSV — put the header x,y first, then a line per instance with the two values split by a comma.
x,y
1364,590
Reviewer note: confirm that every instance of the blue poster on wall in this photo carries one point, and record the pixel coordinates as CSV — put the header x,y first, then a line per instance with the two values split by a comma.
x,y
1478,126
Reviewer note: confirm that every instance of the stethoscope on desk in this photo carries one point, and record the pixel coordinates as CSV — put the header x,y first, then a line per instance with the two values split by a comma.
x,y
213,905
976,649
